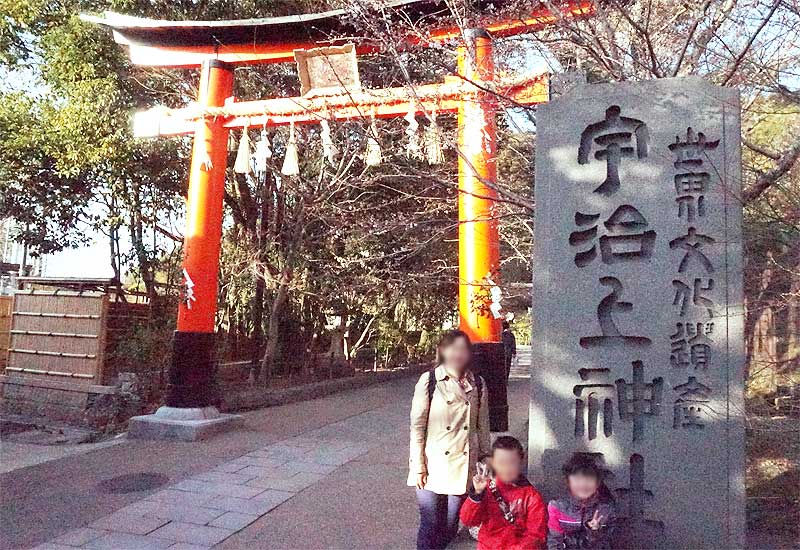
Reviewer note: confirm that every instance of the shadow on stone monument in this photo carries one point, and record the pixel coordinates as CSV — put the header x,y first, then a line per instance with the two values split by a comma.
x,y
637,349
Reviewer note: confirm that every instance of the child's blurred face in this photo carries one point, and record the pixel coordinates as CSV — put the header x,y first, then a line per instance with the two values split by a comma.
x,y
507,465
583,486
456,356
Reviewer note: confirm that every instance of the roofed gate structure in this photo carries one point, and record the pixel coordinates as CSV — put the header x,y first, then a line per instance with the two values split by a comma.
x,y
216,47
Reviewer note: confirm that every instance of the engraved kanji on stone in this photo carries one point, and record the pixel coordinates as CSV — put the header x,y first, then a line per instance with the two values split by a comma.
x,y
615,137
626,237
610,335
692,182
691,405
594,398
694,295
636,529
691,152
638,399
690,345
691,207
692,243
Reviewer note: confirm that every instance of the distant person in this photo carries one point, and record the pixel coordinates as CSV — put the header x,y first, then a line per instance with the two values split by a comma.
x,y
585,518
449,435
509,346
510,511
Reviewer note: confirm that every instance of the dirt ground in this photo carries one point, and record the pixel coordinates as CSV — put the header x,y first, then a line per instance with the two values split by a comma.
x,y
773,482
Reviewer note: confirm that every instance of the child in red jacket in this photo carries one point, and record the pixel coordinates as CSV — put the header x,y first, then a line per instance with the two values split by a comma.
x,y
509,510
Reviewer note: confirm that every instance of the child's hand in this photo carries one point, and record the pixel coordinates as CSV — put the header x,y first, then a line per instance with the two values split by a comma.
x,y
479,483
596,522
422,479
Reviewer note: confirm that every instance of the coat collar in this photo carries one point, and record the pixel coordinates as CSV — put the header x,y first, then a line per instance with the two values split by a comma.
x,y
441,375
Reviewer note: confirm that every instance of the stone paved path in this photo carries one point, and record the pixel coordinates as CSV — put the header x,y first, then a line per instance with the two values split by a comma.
x,y
339,485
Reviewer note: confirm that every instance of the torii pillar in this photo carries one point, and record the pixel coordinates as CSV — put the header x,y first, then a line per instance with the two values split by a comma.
x,y
478,236
191,381
192,395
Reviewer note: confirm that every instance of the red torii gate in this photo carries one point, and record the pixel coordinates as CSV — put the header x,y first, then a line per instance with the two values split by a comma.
x,y
217,46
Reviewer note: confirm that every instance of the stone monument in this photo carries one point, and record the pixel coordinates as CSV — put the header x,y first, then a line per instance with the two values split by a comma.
x,y
638,307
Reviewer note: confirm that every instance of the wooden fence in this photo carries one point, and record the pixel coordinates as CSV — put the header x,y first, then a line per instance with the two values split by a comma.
x,y
5,327
58,334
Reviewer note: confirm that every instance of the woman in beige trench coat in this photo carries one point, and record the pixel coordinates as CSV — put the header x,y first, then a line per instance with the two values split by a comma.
x,y
449,435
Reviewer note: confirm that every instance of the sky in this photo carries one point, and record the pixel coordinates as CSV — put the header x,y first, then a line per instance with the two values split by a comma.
x,y
87,261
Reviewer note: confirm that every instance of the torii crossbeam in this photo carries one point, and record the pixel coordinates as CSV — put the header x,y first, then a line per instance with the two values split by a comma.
x,y
474,94
447,97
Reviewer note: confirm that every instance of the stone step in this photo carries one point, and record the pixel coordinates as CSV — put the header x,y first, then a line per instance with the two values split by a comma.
x,y
520,367
519,371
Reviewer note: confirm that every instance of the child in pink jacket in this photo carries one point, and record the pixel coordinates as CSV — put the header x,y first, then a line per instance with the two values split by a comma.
x,y
585,518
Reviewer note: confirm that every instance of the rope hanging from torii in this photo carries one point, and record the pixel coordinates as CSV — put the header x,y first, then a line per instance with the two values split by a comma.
x,y
251,160
439,98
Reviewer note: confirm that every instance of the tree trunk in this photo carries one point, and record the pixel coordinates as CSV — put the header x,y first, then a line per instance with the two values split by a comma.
x,y
258,329
274,326
137,241
258,297
114,253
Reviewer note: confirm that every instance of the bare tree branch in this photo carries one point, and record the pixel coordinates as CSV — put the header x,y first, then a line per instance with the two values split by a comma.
x,y
768,178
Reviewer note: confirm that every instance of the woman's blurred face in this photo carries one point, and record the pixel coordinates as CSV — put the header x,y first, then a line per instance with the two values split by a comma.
x,y
456,356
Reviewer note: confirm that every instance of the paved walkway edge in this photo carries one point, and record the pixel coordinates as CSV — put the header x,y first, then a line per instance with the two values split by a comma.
x,y
256,398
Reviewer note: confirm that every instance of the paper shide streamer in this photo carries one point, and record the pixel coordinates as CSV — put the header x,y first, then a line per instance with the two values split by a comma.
x,y
373,156
328,148
242,163
201,147
291,164
262,153
433,142
413,148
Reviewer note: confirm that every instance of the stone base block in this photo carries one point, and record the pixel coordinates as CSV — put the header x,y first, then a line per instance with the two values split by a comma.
x,y
182,424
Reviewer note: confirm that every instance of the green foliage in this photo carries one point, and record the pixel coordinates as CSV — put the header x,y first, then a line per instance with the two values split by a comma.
x,y
522,328
19,22
145,346
68,159
74,52
33,188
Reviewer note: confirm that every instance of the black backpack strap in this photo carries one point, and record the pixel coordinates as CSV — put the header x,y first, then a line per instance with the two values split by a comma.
x,y
479,385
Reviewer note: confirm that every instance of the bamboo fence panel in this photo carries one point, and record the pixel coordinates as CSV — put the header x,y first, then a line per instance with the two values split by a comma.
x,y
6,303
58,334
